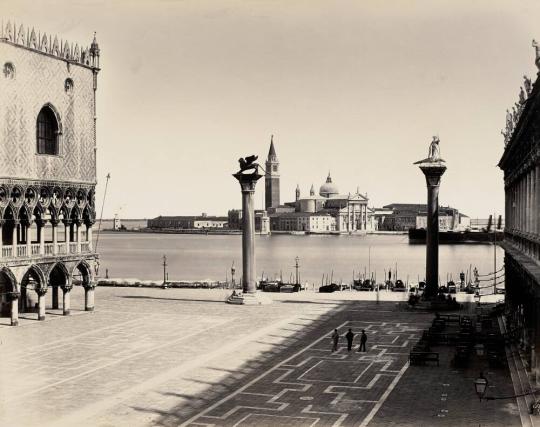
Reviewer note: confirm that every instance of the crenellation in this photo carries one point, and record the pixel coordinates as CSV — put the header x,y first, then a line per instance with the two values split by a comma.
x,y
27,38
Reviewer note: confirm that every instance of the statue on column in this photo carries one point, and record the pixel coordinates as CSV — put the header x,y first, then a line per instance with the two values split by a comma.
x,y
522,98
248,163
434,155
434,150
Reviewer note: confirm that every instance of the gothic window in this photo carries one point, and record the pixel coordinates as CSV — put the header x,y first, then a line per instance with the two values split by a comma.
x,y
47,132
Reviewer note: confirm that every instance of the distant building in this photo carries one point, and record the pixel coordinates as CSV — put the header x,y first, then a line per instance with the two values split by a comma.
x,y
117,223
188,222
262,221
404,216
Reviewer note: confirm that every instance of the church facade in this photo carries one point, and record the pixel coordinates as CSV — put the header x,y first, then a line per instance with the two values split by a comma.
x,y
325,212
48,163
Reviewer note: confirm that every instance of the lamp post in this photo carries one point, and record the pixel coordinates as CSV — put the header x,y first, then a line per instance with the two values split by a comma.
x,y
233,271
297,267
480,386
164,271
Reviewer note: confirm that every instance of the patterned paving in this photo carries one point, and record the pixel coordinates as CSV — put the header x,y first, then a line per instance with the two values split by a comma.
x,y
318,387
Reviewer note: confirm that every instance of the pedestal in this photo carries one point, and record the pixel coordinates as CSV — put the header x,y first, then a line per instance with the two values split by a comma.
x,y
15,312
433,171
254,298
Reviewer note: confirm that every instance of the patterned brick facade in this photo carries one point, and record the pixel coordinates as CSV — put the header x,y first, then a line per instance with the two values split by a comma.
x,y
47,170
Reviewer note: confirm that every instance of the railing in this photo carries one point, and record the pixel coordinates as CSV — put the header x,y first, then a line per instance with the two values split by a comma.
x,y
49,248
36,248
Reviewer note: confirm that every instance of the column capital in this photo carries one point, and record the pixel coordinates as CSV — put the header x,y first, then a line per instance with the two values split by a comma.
x,y
90,285
247,181
67,287
41,291
67,221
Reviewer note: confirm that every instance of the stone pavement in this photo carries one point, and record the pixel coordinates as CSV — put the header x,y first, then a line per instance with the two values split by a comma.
x,y
183,357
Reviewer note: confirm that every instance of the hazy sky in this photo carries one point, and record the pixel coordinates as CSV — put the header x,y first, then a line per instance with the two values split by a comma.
x,y
354,87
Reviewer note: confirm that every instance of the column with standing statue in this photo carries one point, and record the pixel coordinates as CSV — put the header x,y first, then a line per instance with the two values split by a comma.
x,y
433,168
247,176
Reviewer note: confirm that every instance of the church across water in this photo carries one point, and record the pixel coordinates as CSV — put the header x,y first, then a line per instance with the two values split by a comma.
x,y
325,212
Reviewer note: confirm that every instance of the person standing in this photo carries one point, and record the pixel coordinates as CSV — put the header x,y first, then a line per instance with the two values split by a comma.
x,y
350,336
335,339
363,339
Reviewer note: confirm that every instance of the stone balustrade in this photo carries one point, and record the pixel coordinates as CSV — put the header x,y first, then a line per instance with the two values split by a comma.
x,y
47,249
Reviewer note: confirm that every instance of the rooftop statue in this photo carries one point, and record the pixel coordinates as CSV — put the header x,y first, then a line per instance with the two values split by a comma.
x,y
522,98
537,51
528,85
248,163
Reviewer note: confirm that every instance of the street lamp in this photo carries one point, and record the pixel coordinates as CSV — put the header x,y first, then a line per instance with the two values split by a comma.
x,y
480,385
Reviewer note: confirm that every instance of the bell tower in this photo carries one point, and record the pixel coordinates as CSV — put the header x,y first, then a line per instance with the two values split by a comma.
x,y
271,179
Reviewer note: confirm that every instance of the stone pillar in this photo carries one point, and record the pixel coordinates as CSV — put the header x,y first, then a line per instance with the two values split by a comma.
x,y
247,184
67,233
14,238
433,171
41,235
41,302
54,224
78,224
29,238
89,297
66,305
55,297
14,310
89,236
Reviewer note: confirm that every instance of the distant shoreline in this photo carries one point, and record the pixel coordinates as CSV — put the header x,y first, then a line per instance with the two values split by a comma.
x,y
235,232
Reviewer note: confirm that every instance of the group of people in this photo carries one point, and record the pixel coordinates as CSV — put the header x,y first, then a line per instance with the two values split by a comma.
x,y
350,337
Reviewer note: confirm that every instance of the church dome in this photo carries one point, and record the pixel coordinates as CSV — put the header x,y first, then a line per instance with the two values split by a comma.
x,y
328,189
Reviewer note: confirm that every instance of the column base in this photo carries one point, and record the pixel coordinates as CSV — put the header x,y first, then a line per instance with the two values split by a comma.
x,y
88,308
66,312
41,317
14,323
257,298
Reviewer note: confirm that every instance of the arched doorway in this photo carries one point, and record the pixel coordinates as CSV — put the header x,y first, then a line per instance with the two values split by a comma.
x,y
33,290
59,280
82,276
9,296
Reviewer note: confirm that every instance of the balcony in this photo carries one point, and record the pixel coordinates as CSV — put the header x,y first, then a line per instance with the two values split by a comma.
x,y
44,250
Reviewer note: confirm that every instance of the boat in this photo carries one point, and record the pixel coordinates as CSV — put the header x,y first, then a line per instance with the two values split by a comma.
x,y
418,235
332,287
399,286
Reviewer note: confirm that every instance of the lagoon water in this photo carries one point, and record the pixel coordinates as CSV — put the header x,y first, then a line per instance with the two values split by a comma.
x,y
199,257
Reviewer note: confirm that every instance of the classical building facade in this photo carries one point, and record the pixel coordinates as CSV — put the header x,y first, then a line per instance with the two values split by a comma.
x,y
521,165
48,164
404,216
329,211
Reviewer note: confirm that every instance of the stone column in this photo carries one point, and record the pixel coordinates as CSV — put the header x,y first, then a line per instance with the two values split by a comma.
x,y
14,310
67,233
89,236
89,296
41,235
66,305
1,236
54,224
433,171
29,238
14,238
41,302
247,184
78,224
55,297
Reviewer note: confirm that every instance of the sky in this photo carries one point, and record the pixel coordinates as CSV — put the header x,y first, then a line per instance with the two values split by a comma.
x,y
357,88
